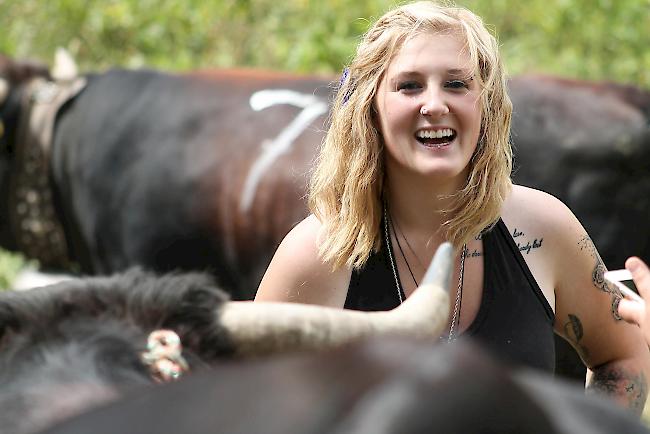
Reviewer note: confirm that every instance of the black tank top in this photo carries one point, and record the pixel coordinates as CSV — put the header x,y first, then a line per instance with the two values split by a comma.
x,y
514,321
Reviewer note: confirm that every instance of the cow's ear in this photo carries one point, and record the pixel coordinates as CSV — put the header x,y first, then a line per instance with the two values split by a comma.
x,y
65,68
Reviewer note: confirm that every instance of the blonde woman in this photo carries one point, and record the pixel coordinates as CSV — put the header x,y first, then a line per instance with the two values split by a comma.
x,y
418,153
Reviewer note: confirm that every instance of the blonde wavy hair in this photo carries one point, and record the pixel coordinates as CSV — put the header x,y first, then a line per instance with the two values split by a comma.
x,y
346,187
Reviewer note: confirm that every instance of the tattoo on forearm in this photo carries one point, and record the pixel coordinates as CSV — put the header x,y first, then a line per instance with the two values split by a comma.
x,y
574,332
598,275
630,389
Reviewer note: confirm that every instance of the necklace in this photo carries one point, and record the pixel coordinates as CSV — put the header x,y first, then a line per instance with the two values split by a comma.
x,y
399,245
455,318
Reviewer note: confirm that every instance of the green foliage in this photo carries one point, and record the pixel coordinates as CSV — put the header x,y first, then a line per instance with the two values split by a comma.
x,y
10,266
593,39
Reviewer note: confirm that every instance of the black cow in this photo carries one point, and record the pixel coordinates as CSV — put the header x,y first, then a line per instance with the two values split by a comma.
x,y
589,145
162,171
83,342
69,348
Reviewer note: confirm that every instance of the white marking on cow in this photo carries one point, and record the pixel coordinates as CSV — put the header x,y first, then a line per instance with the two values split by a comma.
x,y
312,108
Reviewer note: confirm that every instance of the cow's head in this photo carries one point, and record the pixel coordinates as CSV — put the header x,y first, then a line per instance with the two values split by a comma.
x,y
90,335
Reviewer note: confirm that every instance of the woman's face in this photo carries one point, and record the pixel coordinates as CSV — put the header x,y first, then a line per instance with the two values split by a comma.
x,y
429,109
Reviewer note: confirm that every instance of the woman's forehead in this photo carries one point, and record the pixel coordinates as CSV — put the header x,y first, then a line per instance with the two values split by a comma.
x,y
432,52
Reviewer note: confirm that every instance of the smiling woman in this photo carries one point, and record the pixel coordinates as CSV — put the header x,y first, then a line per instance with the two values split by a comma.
x,y
418,154
414,100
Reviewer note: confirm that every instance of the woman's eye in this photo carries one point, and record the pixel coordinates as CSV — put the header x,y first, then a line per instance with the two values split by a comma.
x,y
457,84
408,86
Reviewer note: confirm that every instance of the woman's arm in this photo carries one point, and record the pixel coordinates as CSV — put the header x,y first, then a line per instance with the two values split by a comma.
x,y
297,274
587,313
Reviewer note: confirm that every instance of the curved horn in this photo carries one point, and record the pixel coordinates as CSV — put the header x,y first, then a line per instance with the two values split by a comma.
x,y
257,328
65,68
4,90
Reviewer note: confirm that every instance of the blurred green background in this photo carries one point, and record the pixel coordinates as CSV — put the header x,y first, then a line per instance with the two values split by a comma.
x,y
588,39
592,39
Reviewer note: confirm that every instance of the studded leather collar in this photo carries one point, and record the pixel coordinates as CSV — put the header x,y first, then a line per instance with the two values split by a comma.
x,y
36,227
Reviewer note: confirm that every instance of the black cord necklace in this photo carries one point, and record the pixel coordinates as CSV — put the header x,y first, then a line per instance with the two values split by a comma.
x,y
399,245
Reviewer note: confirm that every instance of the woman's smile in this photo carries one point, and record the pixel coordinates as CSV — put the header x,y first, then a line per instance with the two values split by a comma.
x,y
436,138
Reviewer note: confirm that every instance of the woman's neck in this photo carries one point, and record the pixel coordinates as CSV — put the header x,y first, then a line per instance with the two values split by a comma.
x,y
419,205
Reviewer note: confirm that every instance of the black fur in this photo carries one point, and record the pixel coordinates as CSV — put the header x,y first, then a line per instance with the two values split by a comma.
x,y
89,333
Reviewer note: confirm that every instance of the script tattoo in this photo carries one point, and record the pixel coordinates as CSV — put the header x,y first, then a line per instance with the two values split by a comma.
x,y
574,332
536,244
631,389
475,253
598,275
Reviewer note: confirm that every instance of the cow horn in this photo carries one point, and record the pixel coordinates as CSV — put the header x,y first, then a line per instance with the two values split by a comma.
x,y
65,68
264,327
4,90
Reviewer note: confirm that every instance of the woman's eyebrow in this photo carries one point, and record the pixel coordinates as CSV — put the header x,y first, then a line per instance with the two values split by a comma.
x,y
459,72
456,72
407,74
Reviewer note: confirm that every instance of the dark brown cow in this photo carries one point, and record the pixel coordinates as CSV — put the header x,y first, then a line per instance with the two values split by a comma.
x,y
378,386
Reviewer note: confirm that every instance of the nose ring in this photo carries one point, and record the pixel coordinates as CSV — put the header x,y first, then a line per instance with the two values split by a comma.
x,y
424,111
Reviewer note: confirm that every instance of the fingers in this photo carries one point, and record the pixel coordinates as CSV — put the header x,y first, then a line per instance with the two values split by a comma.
x,y
640,274
631,311
628,293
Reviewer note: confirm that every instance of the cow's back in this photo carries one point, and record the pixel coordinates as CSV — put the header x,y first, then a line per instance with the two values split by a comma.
x,y
589,145
152,169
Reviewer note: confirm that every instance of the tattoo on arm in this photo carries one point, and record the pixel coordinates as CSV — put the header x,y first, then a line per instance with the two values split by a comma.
x,y
628,388
574,333
608,379
598,275
526,245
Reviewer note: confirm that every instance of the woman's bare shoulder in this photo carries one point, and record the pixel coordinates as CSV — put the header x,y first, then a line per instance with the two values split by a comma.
x,y
536,208
298,274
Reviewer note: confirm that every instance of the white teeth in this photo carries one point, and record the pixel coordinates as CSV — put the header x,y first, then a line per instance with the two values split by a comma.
x,y
438,134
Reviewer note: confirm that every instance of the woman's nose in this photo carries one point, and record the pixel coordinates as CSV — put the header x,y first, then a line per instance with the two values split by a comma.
x,y
434,105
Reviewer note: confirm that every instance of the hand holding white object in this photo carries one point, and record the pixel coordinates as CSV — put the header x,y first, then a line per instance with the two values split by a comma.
x,y
633,309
